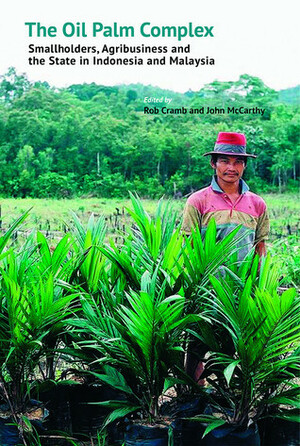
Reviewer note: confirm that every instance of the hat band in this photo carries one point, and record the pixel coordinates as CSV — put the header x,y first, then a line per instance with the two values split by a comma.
x,y
229,148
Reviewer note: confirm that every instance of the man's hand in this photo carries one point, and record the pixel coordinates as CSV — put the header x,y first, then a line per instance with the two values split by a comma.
x,y
260,249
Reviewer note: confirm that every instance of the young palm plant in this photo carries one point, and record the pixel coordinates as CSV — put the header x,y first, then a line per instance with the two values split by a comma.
x,y
153,241
33,305
258,378
139,345
158,242
201,259
91,262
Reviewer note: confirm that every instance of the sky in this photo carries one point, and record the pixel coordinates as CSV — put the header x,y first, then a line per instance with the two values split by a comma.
x,y
257,37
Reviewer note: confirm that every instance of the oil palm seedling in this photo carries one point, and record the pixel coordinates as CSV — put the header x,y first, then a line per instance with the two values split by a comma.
x,y
157,244
159,234
257,379
92,272
54,266
58,261
158,241
206,256
33,305
152,241
202,257
139,346
91,262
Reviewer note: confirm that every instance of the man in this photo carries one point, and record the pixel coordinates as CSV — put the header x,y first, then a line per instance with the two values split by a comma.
x,y
228,199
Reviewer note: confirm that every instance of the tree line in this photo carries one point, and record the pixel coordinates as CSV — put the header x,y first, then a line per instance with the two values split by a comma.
x,y
95,140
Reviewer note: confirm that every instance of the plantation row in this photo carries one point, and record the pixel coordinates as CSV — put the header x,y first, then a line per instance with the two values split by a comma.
x,y
133,325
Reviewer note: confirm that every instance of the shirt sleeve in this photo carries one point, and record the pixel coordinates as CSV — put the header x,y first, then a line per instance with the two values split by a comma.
x,y
191,219
263,228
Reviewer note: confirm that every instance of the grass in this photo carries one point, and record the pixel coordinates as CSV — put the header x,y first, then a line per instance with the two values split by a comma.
x,y
284,211
52,215
57,212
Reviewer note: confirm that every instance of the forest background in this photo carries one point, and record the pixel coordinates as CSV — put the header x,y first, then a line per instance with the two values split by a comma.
x,y
92,140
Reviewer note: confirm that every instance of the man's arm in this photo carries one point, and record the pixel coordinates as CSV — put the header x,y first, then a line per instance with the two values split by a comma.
x,y
262,233
191,219
260,248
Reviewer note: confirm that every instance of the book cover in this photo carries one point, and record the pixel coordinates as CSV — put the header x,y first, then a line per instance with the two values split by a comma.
x,y
101,98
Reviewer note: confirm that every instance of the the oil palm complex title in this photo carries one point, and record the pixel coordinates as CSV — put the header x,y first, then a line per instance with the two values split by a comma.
x,y
98,29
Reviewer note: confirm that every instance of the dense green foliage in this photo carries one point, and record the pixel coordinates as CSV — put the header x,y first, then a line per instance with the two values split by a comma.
x,y
96,140
124,316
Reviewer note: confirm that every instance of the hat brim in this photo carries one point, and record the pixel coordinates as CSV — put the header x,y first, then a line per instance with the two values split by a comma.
x,y
246,155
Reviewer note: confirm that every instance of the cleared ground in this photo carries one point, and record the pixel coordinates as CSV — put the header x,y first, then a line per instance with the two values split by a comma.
x,y
55,215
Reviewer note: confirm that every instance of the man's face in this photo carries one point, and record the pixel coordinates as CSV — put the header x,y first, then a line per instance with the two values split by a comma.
x,y
229,168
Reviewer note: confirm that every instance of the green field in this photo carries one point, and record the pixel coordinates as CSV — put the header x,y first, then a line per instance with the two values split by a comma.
x,y
54,215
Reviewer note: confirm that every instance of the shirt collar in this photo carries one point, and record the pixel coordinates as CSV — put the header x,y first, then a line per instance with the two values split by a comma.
x,y
216,188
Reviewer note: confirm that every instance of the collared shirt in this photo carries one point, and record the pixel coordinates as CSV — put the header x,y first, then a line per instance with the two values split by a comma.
x,y
249,210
